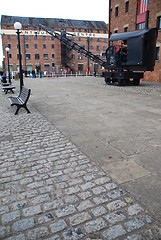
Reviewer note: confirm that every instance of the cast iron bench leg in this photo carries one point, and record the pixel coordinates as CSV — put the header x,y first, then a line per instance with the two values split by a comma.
x,y
18,108
27,109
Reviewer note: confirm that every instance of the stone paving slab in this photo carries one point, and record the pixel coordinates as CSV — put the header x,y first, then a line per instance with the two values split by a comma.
x,y
50,190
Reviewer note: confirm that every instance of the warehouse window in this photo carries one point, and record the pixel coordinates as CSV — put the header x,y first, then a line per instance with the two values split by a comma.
x,y
116,11
35,37
44,38
159,22
157,53
44,46
27,46
27,56
98,48
103,56
53,55
27,37
9,45
126,6
125,29
8,37
35,46
37,56
80,56
52,45
45,56
80,67
46,67
95,67
18,56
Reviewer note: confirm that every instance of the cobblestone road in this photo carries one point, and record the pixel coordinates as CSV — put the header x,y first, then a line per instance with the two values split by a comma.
x,y
50,190
145,87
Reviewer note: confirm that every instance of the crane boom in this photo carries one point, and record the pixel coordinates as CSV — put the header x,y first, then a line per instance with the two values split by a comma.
x,y
72,45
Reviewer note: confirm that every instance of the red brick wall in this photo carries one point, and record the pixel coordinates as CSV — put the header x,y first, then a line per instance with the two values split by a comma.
x,y
32,51
123,18
56,51
154,6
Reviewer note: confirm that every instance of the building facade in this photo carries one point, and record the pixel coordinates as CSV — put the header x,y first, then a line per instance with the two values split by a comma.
x,y
129,15
40,50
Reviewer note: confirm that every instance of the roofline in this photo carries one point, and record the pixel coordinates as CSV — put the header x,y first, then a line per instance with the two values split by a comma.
x,y
99,25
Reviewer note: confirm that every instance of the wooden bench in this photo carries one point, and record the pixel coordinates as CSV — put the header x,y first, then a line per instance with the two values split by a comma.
x,y
8,88
21,100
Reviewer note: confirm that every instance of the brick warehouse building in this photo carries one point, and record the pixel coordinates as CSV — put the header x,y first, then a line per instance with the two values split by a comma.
x,y
41,50
129,15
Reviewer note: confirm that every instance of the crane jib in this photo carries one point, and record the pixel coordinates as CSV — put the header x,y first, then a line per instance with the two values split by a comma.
x,y
72,45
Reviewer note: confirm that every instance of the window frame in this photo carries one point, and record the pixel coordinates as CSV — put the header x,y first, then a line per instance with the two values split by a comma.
x,y
127,7
116,11
159,22
157,53
37,56
45,56
28,56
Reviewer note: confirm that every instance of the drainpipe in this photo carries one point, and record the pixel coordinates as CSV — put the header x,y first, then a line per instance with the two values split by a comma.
x,y
146,19
109,24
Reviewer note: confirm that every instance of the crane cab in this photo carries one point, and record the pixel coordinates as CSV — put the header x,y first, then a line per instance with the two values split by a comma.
x,y
129,55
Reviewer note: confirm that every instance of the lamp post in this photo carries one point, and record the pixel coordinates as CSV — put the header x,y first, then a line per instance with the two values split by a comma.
x,y
18,26
4,63
9,76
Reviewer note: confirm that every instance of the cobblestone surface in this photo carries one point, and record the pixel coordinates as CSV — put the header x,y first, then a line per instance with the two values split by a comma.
x,y
50,190
145,87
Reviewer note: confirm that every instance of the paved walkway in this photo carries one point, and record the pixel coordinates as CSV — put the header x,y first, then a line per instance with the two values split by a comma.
x,y
50,190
